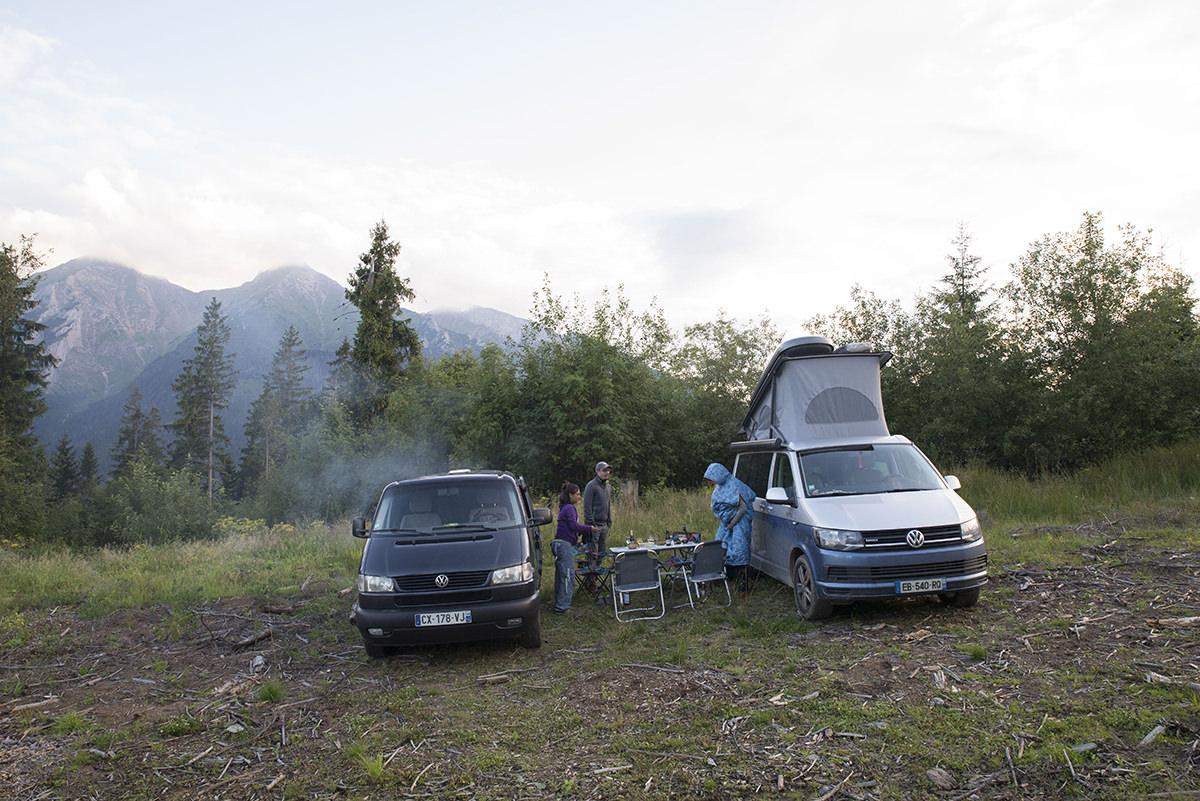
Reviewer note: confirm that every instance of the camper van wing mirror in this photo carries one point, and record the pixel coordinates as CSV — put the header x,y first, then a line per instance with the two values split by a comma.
x,y
778,495
359,527
953,483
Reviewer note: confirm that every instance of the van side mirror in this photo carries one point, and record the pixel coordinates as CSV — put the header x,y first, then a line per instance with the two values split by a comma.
x,y
359,527
779,495
953,483
542,517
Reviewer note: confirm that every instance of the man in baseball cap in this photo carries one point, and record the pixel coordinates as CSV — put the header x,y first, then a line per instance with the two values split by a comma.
x,y
597,506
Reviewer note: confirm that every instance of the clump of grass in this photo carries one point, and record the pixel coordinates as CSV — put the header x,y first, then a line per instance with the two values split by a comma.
x,y
270,691
975,651
181,726
70,722
373,766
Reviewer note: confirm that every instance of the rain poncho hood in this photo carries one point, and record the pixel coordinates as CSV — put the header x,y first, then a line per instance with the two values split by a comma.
x,y
731,502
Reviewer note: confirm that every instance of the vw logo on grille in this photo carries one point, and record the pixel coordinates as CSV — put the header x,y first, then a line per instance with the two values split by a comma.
x,y
442,580
915,538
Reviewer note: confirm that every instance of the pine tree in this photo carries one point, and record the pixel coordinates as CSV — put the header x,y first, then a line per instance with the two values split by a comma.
x,y
89,469
64,470
140,436
24,368
280,411
384,343
202,391
24,361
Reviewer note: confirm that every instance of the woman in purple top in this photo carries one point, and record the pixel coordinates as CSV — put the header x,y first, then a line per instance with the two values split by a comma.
x,y
566,538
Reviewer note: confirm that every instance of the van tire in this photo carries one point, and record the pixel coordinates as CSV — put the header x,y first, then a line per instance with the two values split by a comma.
x,y
376,651
531,637
964,598
804,586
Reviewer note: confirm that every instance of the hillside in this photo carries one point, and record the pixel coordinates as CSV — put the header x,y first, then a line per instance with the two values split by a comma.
x,y
113,328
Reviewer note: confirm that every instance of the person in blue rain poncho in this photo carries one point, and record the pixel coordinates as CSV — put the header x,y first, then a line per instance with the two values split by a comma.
x,y
731,504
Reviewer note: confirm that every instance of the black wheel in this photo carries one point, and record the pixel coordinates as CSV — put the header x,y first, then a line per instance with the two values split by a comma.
x,y
964,598
804,585
531,637
376,651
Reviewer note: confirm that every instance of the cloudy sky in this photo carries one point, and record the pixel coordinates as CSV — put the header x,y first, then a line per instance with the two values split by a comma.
x,y
751,156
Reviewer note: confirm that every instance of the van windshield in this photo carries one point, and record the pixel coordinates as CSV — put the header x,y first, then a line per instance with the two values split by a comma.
x,y
446,507
895,467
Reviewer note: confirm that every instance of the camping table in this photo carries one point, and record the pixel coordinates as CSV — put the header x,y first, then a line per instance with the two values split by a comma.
x,y
678,557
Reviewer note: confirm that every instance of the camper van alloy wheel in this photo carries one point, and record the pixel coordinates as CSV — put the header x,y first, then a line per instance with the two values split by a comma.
x,y
804,584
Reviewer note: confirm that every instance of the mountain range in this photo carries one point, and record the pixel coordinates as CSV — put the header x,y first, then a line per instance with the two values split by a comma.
x,y
113,328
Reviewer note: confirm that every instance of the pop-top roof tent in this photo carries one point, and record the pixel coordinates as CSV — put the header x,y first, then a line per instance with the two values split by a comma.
x,y
811,395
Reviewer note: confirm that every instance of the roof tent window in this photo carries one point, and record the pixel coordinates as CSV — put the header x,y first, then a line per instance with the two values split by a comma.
x,y
840,405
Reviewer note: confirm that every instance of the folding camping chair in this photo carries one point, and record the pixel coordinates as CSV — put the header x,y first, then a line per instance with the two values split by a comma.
x,y
636,571
592,576
708,566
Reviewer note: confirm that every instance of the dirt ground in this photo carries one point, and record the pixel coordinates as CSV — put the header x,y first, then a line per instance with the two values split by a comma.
x,y
245,699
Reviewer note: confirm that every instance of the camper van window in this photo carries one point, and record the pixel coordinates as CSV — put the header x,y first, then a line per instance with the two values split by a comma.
x,y
864,471
754,469
782,475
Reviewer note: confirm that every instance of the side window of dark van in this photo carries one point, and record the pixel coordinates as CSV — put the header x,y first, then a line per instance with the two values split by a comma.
x,y
754,469
782,475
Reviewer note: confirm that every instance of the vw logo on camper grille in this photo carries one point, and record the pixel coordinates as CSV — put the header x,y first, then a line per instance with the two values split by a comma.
x,y
442,579
915,538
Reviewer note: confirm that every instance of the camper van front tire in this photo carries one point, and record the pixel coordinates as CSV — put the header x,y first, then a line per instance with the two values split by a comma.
x,y
963,598
804,585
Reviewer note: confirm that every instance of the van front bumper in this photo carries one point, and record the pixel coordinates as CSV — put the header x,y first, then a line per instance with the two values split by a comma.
x,y
381,622
851,575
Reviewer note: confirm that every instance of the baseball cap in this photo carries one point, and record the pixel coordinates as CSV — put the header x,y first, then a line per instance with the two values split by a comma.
x,y
601,466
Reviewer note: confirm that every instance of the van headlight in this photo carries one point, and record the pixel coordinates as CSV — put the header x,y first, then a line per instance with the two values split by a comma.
x,y
375,583
971,530
838,540
513,575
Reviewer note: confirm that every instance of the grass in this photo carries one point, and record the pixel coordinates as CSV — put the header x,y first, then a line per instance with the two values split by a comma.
x,y
743,697
257,561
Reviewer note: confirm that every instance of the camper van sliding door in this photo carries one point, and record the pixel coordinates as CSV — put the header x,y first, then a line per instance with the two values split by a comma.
x,y
772,522
779,519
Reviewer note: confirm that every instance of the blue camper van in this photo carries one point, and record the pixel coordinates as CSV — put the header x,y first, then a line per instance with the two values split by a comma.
x,y
847,511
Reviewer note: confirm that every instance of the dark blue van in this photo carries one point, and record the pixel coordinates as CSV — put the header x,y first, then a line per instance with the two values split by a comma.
x,y
450,558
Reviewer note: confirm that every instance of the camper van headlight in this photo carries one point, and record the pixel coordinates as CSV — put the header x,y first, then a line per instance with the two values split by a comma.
x,y
368,583
513,575
838,540
971,530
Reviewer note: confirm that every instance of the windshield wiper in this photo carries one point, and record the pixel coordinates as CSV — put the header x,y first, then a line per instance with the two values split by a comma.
x,y
467,527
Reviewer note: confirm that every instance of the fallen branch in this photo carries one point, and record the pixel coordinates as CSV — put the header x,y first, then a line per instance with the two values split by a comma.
x,y
254,638
1158,678
35,704
651,667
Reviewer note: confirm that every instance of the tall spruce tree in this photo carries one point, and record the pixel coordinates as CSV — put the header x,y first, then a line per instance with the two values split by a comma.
x,y
65,479
140,437
24,368
89,469
25,363
202,391
366,370
279,412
